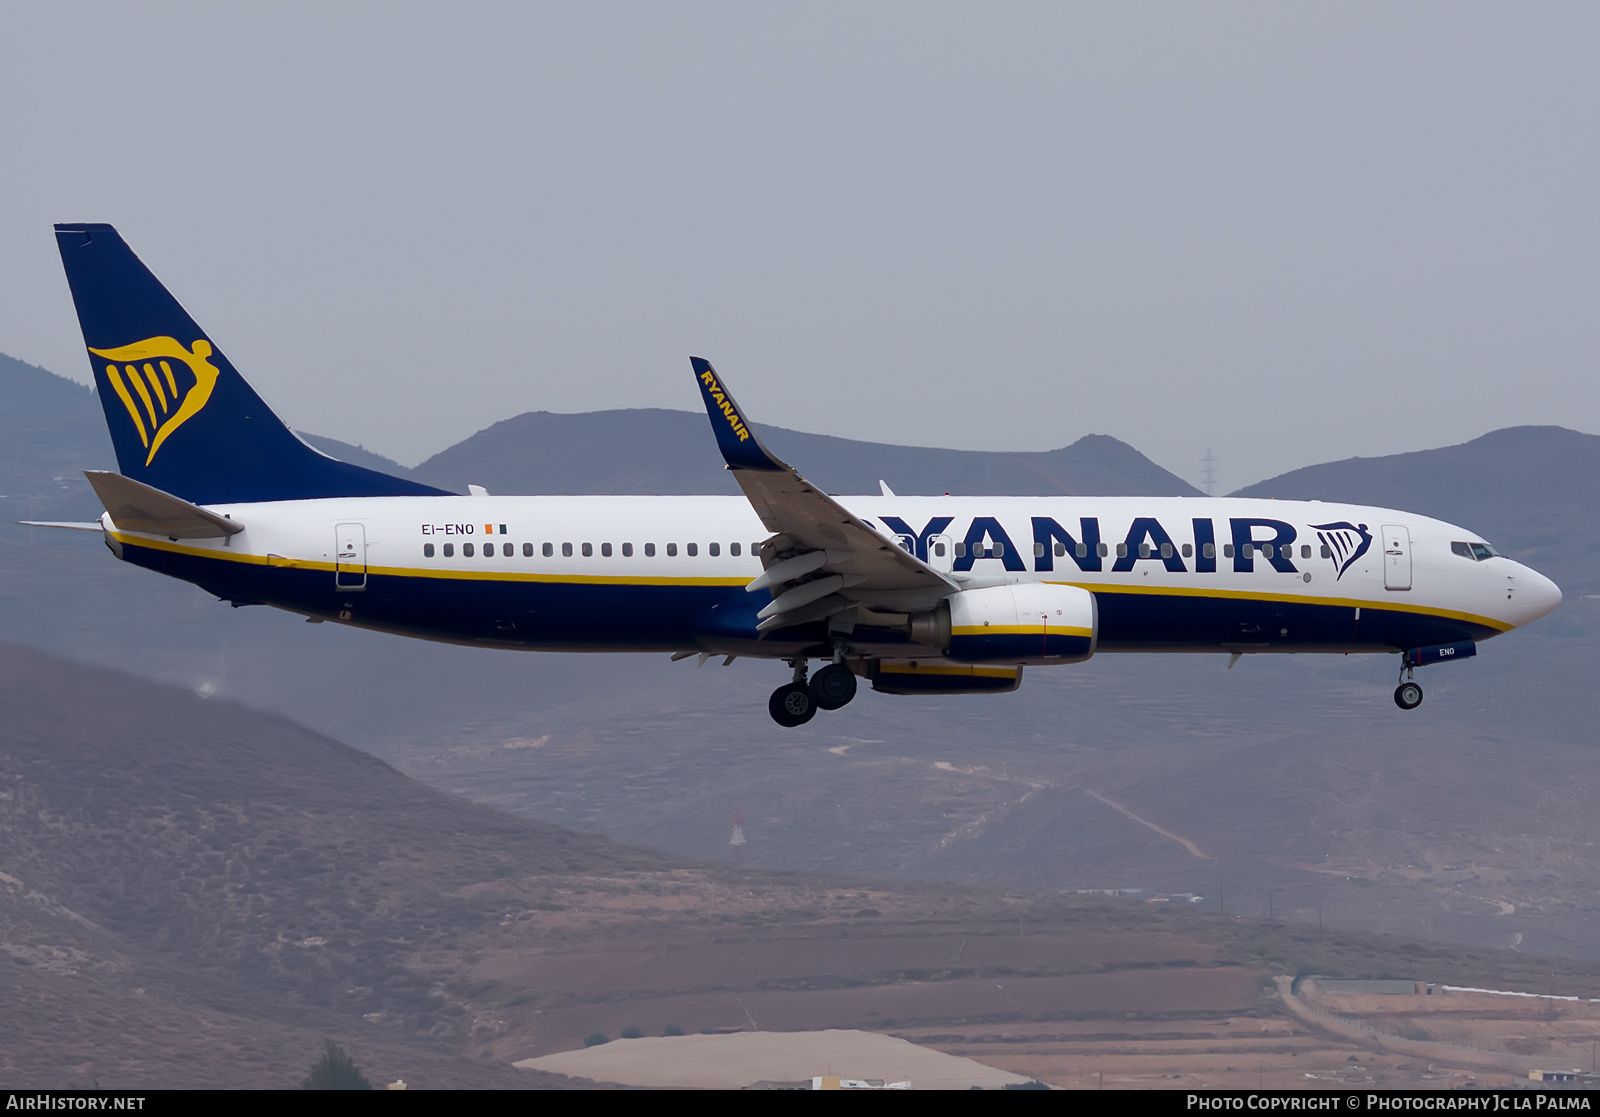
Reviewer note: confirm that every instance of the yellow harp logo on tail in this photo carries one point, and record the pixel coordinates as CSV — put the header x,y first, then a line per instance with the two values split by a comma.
x,y
160,401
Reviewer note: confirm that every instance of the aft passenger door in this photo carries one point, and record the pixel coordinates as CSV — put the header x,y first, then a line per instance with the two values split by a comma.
x,y
350,557
1396,557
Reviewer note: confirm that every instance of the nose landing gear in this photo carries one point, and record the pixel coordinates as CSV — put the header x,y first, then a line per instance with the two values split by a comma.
x,y
1408,695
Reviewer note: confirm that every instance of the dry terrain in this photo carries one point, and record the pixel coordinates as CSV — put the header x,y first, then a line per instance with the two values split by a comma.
x,y
192,893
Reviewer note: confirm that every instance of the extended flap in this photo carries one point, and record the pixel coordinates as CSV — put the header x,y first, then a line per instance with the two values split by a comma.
x,y
135,506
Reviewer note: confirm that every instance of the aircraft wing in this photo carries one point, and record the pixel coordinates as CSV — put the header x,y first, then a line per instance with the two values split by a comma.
x,y
823,558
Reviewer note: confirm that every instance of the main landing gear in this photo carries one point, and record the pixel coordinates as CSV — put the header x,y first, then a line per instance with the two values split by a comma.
x,y
1408,695
797,702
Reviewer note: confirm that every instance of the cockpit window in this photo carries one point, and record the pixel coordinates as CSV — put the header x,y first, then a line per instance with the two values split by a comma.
x,y
1477,552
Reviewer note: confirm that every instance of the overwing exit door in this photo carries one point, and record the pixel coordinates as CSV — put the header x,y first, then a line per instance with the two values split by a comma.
x,y
941,553
1396,557
350,557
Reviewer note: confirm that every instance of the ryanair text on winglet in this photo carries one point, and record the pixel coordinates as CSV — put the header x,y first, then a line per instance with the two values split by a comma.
x,y
721,397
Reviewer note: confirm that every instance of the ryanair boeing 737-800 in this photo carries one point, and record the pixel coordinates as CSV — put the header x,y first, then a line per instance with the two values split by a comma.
x,y
918,595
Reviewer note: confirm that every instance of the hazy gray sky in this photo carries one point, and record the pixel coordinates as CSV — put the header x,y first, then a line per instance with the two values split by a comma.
x,y
1292,232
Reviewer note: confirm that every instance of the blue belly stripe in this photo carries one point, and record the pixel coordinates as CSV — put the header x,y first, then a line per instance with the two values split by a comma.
x,y
571,616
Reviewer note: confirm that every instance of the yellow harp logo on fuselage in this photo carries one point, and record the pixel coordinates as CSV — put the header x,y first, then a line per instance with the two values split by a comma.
x,y
158,403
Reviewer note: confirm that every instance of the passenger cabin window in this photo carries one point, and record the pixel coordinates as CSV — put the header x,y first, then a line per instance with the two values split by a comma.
x,y
1122,550
961,550
566,550
1166,550
691,549
449,550
588,550
733,549
1102,550
714,549
548,550
672,550
938,550
1227,550
1305,550
1144,550
1327,551
605,550
627,550
1038,550
427,550
466,549
649,550
1061,550
1209,550
527,550
1188,550
997,551
507,549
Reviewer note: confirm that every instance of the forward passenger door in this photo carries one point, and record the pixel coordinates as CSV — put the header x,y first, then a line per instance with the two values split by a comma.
x,y
1396,557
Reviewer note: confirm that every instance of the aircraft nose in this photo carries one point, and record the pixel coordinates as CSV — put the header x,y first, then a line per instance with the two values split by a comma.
x,y
1532,594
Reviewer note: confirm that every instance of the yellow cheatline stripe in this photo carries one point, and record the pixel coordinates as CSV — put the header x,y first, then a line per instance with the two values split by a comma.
x,y
1017,630
421,572
986,672
1386,605
600,579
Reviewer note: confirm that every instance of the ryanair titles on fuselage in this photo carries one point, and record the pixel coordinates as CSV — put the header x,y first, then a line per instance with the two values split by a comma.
x,y
1084,546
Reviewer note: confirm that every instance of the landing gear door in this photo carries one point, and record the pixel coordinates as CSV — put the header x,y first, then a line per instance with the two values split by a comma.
x,y
350,557
941,553
1396,557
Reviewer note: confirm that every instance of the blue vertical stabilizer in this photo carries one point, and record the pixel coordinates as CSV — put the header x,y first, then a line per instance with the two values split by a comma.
x,y
182,419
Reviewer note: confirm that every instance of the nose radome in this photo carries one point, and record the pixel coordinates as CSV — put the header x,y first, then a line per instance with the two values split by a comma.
x,y
1532,594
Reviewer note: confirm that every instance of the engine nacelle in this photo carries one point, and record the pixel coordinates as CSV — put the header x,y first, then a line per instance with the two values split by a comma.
x,y
1025,623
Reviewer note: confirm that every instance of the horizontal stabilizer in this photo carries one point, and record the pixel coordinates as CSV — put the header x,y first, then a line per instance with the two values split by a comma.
x,y
66,525
135,506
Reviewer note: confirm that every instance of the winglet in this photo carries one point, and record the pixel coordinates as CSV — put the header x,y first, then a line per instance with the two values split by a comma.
x,y
740,447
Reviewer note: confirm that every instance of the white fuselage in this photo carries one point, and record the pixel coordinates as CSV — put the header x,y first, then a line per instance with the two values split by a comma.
x,y
628,572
